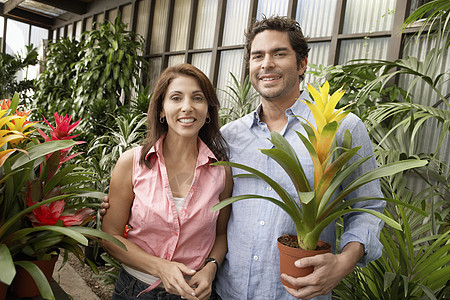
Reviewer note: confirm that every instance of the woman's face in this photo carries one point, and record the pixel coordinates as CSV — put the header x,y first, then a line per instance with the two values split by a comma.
x,y
185,107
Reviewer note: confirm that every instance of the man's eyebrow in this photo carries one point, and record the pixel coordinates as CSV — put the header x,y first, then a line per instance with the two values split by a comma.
x,y
278,49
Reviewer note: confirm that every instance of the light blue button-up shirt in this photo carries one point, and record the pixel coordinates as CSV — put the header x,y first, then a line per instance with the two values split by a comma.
x,y
251,267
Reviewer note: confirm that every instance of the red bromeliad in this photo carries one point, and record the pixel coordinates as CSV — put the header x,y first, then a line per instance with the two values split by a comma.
x,y
62,131
52,213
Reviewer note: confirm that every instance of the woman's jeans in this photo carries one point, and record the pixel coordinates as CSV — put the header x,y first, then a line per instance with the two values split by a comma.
x,y
128,287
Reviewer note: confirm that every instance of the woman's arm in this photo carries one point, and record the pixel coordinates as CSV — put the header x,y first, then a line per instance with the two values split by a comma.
x,y
121,199
204,277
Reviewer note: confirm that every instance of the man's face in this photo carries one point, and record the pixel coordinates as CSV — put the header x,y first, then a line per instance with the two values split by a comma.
x,y
273,66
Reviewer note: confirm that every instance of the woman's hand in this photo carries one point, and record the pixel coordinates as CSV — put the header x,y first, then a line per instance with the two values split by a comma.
x,y
172,276
202,281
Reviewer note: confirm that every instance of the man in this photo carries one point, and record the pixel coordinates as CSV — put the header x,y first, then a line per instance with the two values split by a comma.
x,y
277,59
276,53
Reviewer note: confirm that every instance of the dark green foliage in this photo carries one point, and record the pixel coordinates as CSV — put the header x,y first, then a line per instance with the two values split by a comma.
x,y
54,86
107,73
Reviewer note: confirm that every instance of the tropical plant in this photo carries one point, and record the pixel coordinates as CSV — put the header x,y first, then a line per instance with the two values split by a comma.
x,y
54,86
241,99
10,65
107,73
415,260
37,216
317,208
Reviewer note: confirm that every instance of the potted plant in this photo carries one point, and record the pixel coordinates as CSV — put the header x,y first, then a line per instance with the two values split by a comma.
x,y
318,206
37,216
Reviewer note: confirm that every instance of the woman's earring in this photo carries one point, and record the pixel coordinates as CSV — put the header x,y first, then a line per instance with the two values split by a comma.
x,y
208,120
162,119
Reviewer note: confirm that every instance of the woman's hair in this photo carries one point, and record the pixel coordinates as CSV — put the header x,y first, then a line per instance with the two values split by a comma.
x,y
282,24
209,133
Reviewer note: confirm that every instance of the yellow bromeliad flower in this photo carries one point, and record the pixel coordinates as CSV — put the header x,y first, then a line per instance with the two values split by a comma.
x,y
327,120
12,129
20,124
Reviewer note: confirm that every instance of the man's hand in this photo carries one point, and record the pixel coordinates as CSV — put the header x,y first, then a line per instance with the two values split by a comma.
x,y
329,270
104,207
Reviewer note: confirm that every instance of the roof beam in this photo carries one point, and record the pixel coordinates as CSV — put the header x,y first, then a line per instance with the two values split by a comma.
x,y
30,17
74,6
10,5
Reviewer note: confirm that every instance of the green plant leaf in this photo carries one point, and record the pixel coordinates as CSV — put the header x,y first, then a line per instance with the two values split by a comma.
x,y
38,277
8,270
40,150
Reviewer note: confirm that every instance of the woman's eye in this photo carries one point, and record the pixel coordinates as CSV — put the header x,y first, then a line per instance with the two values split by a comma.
x,y
175,98
198,98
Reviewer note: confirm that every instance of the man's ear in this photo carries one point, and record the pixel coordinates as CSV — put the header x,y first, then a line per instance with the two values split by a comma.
x,y
303,64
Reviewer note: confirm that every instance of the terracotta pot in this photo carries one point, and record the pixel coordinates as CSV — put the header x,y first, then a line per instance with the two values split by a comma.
x,y
3,290
23,284
289,255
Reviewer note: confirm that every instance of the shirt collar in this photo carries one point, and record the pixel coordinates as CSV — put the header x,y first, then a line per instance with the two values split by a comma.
x,y
205,155
298,110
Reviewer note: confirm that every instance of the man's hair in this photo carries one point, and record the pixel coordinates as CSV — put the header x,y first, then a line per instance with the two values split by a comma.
x,y
283,24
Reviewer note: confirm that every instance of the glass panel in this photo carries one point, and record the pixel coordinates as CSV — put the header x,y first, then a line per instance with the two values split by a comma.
x,y
206,24
54,35
368,16
175,60
159,26
202,61
180,25
69,30
142,17
1,26
100,18
62,32
375,48
16,37
154,71
89,23
316,17
318,55
236,17
37,37
423,94
112,15
78,30
230,61
126,15
272,8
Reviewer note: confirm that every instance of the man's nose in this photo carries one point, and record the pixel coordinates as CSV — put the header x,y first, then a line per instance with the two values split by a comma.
x,y
268,62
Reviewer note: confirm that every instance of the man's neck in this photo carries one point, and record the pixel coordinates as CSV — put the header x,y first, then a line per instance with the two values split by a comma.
x,y
273,113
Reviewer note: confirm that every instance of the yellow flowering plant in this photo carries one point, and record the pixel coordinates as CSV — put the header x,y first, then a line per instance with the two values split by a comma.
x,y
316,207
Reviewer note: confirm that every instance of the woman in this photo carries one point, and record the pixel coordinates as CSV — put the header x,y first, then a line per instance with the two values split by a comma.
x,y
163,191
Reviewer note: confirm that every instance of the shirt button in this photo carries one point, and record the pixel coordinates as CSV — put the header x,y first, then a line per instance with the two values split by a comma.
x,y
262,223
255,257
269,188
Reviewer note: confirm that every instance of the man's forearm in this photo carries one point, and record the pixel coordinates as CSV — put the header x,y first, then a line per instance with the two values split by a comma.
x,y
350,255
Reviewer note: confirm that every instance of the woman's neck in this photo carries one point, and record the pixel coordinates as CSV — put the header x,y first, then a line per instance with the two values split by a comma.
x,y
180,148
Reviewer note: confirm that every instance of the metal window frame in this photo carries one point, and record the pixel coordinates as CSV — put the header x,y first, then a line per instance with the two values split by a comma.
x,y
103,6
